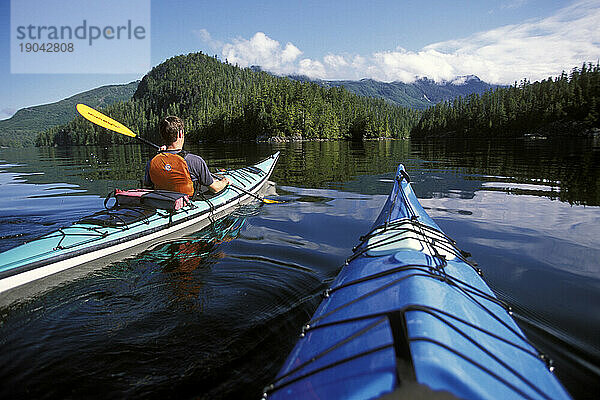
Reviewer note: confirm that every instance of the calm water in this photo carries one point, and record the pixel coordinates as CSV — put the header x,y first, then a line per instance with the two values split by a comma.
x,y
213,315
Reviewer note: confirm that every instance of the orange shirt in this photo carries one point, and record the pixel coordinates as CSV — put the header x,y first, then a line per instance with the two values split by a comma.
x,y
169,171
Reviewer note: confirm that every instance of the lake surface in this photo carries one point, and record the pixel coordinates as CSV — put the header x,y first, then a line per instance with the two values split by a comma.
x,y
213,315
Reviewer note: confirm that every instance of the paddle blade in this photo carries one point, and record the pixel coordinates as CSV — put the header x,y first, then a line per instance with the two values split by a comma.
x,y
102,120
272,201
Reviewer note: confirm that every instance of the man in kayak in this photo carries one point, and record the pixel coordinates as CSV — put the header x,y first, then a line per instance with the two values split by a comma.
x,y
176,169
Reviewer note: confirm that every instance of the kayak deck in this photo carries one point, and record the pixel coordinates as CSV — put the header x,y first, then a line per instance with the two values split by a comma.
x,y
408,306
91,239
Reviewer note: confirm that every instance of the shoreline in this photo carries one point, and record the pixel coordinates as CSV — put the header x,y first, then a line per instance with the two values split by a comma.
x,y
555,129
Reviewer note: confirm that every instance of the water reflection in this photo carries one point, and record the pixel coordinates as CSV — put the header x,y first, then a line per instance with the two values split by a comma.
x,y
180,259
210,317
570,167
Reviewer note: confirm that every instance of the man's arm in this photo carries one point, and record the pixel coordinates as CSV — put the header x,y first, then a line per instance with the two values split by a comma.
x,y
199,170
219,185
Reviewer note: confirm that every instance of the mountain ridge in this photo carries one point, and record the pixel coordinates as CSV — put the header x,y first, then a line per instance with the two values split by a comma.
x,y
22,128
420,94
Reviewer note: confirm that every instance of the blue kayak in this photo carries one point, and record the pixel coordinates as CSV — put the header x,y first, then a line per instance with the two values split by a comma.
x,y
408,309
110,235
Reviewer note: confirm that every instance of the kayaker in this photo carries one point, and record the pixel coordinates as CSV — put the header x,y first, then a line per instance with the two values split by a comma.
x,y
176,169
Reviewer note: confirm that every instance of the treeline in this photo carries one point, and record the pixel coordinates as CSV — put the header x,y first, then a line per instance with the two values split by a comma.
x,y
571,100
219,101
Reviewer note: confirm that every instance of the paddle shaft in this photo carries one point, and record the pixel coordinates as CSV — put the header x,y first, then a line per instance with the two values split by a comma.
x,y
247,192
149,143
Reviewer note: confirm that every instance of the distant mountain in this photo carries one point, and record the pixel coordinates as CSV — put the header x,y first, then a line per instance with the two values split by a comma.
x,y
420,94
22,128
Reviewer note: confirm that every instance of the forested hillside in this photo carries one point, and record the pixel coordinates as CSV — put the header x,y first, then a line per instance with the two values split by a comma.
x,y
219,101
568,104
22,128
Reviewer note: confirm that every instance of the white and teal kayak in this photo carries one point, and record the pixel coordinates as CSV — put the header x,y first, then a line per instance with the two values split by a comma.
x,y
112,234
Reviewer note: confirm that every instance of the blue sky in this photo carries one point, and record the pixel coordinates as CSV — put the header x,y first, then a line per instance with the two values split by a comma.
x,y
500,41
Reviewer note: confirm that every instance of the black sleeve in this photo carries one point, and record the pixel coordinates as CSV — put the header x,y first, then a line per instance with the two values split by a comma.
x,y
147,180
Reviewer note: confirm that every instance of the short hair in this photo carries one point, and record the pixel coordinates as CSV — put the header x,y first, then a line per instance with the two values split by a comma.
x,y
169,127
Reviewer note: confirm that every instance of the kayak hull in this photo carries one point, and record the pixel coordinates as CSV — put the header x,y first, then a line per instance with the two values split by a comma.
x,y
47,261
409,308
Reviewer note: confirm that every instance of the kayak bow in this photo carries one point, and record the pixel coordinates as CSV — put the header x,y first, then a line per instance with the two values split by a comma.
x,y
409,309
108,236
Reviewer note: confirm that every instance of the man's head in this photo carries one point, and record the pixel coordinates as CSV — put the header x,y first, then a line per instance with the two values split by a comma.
x,y
169,128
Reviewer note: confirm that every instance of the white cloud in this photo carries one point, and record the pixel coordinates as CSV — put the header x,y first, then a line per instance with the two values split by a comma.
x,y
534,49
264,51
336,61
314,69
290,53
206,37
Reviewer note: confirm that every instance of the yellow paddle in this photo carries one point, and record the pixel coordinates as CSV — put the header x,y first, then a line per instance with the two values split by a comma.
x,y
102,120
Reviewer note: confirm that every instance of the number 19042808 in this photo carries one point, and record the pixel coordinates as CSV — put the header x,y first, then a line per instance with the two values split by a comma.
x,y
48,47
